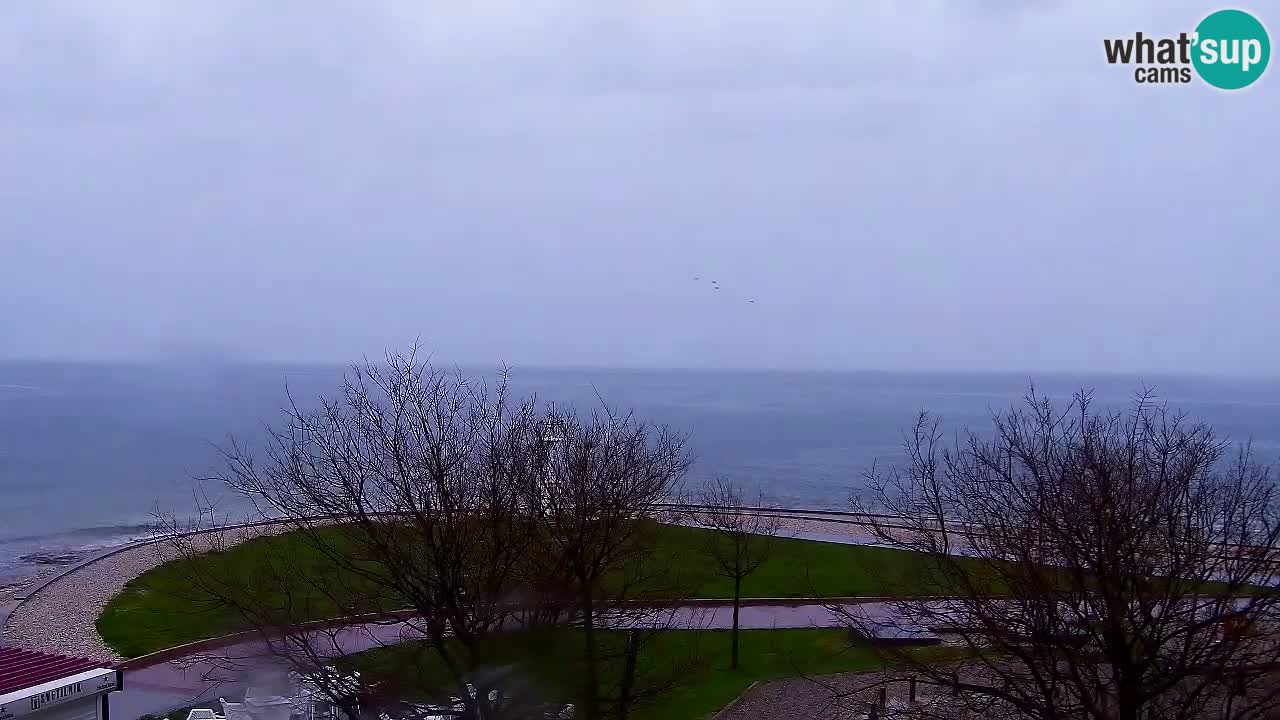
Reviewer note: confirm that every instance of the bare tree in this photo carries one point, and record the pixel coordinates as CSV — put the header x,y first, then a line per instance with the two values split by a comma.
x,y
414,505
403,494
1105,564
740,540
595,502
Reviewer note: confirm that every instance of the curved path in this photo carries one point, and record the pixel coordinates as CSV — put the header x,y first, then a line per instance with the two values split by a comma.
x,y
154,687
60,613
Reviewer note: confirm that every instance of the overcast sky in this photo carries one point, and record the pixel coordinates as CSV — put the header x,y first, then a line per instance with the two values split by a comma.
x,y
896,184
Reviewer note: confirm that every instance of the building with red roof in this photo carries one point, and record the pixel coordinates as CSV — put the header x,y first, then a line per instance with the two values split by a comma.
x,y
41,686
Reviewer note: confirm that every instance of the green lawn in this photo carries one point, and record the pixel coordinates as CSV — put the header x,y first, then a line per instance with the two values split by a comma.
x,y
685,673
160,609
164,607
803,568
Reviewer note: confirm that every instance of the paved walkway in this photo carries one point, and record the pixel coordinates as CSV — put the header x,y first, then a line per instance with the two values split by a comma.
x,y
59,615
205,676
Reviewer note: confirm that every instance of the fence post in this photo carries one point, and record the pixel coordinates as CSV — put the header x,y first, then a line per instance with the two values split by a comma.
x,y
911,689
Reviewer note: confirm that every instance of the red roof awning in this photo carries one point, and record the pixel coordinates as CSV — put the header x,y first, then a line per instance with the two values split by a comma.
x,y
26,668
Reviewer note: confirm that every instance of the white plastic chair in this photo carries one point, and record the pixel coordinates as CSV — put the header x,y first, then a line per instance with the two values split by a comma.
x,y
252,692
203,714
234,711
268,707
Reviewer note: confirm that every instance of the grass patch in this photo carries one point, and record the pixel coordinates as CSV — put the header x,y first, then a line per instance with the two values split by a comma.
x,y
803,568
160,609
697,662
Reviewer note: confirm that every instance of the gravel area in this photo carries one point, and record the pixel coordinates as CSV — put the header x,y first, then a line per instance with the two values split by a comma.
x,y
852,696
843,697
62,616
849,532
819,525
835,530
802,526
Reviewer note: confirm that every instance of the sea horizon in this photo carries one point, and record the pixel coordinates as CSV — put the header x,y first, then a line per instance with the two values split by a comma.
x,y
203,361
89,451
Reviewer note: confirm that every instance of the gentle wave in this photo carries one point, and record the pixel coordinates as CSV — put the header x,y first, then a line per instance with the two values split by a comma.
x,y
25,388
98,531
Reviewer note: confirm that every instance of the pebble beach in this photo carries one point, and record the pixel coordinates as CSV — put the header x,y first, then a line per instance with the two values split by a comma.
x,y
61,617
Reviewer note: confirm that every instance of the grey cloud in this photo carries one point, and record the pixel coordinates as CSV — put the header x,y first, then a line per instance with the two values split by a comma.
x,y
897,184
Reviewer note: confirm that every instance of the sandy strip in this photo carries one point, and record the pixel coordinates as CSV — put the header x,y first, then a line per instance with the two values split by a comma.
x,y
816,527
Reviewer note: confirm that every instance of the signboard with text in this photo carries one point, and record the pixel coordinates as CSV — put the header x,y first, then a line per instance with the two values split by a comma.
x,y
77,687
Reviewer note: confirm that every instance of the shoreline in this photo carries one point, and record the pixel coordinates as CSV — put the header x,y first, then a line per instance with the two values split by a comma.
x,y
14,589
29,559
61,611
60,614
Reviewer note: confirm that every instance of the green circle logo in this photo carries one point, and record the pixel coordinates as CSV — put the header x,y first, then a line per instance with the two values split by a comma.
x,y
1232,49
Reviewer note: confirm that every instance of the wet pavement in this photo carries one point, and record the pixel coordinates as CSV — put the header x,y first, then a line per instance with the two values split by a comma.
x,y
226,672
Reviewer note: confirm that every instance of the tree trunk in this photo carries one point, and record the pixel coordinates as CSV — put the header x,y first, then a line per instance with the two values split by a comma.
x,y
591,694
628,674
737,600
1128,706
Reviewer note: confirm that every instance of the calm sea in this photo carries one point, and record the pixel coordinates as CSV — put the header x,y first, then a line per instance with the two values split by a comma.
x,y
89,452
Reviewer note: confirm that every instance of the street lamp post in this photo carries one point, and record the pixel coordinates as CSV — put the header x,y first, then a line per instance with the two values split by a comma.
x,y
552,435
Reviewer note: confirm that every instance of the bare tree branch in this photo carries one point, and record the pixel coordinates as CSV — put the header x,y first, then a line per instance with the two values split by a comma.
x,y
740,540
428,499
1094,563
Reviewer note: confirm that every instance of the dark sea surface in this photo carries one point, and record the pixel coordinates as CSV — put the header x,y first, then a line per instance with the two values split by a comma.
x,y
89,452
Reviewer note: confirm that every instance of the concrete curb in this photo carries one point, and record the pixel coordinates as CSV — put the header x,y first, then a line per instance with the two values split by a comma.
x,y
196,646
192,648
734,702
